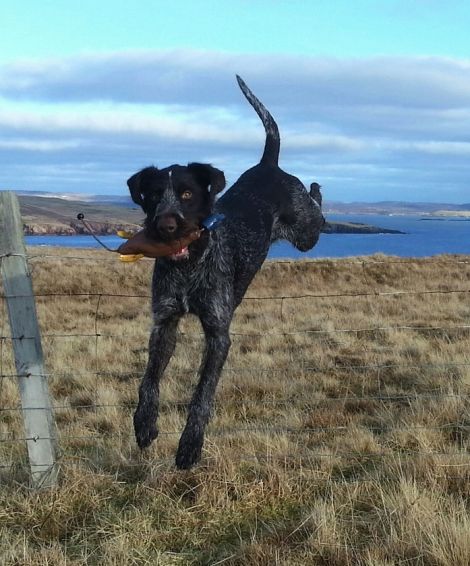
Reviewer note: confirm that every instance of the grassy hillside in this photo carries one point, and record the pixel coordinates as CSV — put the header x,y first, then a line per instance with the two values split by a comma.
x,y
58,215
340,433
47,209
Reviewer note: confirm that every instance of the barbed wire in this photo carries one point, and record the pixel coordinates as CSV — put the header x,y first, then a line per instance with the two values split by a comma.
x,y
439,259
251,370
291,401
268,430
372,329
404,292
456,427
13,254
247,457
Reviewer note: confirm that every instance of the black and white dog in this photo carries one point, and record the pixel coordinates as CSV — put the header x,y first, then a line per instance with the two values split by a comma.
x,y
210,277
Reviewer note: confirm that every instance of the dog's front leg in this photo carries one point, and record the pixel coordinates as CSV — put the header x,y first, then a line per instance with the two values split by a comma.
x,y
161,346
217,347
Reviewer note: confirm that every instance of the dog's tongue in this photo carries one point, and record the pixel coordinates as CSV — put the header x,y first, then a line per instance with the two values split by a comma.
x,y
180,254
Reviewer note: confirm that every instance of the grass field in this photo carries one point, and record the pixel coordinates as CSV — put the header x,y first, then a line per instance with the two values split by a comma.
x,y
341,431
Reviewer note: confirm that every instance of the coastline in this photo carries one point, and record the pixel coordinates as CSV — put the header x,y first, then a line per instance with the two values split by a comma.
x,y
110,229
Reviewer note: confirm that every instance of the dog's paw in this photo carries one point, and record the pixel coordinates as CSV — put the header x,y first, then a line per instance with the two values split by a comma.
x,y
145,432
146,437
189,451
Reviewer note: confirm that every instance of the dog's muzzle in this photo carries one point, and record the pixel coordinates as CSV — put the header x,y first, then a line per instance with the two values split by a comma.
x,y
167,225
171,226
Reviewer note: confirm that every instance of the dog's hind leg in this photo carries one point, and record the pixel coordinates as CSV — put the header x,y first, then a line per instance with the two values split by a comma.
x,y
217,347
302,221
161,346
309,219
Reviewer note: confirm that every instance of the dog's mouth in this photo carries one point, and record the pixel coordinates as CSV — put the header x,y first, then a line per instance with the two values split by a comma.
x,y
171,229
181,254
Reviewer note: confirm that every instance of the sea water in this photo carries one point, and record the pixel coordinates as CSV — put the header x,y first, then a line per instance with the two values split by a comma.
x,y
422,237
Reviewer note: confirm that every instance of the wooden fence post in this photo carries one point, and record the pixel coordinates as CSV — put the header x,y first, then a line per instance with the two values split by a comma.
x,y
38,418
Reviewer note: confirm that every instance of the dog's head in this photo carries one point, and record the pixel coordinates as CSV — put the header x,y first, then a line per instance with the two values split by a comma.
x,y
175,199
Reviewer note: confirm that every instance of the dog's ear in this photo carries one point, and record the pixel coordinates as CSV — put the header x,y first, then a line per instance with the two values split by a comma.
x,y
208,176
135,185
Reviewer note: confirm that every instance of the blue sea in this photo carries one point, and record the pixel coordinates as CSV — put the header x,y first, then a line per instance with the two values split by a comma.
x,y
422,238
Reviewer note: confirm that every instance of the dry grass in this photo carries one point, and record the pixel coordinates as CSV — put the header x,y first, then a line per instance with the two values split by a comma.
x,y
340,434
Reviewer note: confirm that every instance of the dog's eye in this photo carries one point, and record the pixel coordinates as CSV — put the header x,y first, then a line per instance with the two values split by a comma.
x,y
186,195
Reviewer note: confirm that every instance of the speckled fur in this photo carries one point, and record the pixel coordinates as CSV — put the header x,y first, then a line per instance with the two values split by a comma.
x,y
264,205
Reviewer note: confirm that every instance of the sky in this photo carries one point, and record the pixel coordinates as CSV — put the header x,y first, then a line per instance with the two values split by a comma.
x,y
372,98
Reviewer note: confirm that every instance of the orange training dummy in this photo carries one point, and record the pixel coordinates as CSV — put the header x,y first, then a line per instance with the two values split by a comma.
x,y
139,245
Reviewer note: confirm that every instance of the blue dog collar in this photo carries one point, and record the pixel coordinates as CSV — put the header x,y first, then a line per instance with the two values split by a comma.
x,y
212,221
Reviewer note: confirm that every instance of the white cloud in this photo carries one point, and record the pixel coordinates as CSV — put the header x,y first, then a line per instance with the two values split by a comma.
x,y
385,121
38,145
443,148
207,78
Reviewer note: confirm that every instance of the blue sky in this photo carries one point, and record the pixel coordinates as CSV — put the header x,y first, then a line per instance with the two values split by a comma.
x,y
372,98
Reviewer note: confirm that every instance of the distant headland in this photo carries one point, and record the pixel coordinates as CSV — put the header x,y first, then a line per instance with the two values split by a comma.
x,y
46,213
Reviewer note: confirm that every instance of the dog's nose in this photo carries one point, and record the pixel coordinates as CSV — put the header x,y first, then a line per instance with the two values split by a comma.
x,y
167,224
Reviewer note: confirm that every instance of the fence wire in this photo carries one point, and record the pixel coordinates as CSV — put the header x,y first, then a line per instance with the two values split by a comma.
x,y
458,428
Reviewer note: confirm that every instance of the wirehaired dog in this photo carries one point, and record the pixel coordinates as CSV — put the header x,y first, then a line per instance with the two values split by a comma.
x,y
210,277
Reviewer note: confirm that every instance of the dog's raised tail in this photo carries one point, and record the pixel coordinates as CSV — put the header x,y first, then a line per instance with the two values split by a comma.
x,y
273,141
